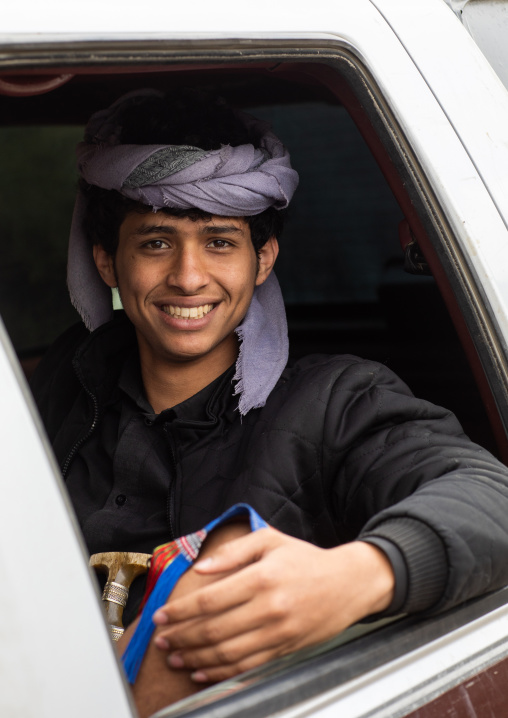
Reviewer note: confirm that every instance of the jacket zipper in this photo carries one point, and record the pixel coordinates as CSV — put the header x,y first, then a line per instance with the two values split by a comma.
x,y
170,502
91,429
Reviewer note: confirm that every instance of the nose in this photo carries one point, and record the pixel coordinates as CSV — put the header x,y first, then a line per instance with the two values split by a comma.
x,y
188,271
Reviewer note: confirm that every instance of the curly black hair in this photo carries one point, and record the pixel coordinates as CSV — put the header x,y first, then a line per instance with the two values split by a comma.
x,y
186,117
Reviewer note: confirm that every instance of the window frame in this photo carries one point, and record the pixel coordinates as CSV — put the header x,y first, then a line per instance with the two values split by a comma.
x,y
455,274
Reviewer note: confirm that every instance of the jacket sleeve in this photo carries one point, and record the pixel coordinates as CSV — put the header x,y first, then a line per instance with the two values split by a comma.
x,y
406,474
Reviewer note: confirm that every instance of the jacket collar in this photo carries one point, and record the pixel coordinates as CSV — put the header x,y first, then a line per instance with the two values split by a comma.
x,y
100,359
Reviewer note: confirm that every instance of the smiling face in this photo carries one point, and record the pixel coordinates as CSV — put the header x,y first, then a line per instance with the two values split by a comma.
x,y
185,285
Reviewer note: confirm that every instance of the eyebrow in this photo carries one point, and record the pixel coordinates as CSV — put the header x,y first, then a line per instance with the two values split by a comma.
x,y
145,229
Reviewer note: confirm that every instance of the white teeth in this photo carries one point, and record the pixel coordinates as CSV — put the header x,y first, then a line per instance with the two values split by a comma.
x,y
188,312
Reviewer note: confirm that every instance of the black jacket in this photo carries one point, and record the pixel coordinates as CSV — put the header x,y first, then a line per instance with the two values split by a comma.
x,y
341,449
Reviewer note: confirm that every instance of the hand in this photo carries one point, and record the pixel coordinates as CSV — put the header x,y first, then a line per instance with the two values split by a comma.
x,y
284,594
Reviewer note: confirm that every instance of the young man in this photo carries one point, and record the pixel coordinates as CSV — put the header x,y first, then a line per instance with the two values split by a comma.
x,y
167,415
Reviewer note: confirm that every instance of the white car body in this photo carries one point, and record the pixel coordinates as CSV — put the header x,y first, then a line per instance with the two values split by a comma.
x,y
436,85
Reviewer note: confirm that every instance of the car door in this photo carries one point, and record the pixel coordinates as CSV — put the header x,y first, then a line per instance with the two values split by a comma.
x,y
386,81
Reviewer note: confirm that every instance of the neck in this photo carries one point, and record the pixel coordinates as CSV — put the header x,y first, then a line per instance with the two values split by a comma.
x,y
168,383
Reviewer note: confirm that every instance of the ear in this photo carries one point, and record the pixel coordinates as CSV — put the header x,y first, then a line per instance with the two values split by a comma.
x,y
105,265
267,256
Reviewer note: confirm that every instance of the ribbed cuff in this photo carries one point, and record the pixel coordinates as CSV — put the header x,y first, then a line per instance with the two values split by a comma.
x,y
398,564
418,560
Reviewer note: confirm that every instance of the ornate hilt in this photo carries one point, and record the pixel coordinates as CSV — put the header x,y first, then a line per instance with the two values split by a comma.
x,y
121,568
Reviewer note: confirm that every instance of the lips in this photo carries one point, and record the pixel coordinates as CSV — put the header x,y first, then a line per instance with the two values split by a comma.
x,y
197,312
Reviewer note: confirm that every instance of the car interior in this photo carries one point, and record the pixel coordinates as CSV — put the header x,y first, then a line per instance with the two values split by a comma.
x,y
363,265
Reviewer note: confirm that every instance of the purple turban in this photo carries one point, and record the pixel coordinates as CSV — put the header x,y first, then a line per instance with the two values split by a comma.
x,y
231,181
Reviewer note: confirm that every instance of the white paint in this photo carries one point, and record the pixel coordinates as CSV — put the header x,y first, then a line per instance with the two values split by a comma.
x,y
401,686
155,16
56,658
487,22
475,105
454,112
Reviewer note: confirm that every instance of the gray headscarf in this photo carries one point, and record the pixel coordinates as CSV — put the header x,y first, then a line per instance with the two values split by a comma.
x,y
231,181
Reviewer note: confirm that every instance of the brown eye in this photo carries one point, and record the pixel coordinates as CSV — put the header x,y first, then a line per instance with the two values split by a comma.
x,y
156,244
219,244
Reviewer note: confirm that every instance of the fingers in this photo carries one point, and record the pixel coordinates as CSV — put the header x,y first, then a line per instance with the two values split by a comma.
x,y
227,659
227,653
215,598
208,632
240,552
235,556
228,642
223,672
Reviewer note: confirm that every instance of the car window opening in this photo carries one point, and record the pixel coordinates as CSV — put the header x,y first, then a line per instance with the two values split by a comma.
x,y
341,267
